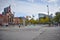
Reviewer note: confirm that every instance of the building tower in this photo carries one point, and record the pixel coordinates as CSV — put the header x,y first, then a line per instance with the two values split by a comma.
x,y
7,12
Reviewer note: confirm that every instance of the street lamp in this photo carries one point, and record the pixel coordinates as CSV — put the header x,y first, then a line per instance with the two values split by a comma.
x,y
48,10
48,14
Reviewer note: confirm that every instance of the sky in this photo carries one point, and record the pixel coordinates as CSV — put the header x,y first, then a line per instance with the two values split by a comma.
x,y
30,7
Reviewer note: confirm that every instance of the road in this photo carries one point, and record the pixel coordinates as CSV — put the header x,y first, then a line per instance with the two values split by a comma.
x,y
52,33
29,33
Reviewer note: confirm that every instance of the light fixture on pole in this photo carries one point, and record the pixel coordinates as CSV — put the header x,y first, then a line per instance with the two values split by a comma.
x,y
48,10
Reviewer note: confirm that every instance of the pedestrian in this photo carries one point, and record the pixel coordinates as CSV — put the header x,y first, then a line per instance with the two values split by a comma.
x,y
19,25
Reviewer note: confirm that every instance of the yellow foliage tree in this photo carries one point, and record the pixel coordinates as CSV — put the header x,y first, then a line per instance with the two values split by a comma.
x,y
32,21
21,21
44,20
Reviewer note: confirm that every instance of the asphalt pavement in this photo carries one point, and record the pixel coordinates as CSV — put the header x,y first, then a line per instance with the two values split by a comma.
x,y
37,32
52,33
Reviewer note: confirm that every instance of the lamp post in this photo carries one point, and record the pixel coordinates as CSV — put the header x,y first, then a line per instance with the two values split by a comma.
x,y
48,10
48,14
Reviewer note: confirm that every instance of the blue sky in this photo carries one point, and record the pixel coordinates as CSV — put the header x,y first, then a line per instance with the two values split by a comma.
x,y
30,7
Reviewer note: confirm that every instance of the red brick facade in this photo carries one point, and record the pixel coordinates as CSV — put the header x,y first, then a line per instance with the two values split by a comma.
x,y
3,19
16,20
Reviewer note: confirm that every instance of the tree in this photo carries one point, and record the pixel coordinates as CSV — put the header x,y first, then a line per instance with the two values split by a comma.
x,y
47,19
21,20
27,22
32,21
36,21
57,17
44,20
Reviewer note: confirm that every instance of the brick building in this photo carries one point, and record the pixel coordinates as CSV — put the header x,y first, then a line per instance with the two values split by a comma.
x,y
8,14
3,19
16,20
7,17
19,20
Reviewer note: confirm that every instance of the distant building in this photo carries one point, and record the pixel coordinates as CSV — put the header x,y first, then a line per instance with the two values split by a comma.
x,y
19,20
16,20
3,19
10,18
41,15
7,12
23,19
7,17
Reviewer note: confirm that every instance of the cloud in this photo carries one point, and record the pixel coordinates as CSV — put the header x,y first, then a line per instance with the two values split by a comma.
x,y
5,3
26,7
22,0
32,9
31,1
50,0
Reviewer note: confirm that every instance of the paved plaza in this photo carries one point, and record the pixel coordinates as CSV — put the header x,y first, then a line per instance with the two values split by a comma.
x,y
33,32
